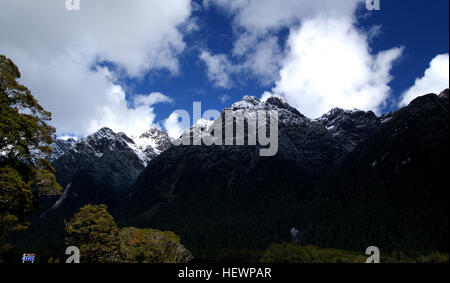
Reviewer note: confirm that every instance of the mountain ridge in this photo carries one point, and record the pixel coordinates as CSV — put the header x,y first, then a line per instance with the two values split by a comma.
x,y
229,197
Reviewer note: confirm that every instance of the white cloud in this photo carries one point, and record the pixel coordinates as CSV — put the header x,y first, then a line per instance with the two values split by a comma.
x,y
266,95
224,98
435,79
330,65
57,50
374,32
327,61
119,117
256,49
259,16
263,60
261,64
219,69
151,99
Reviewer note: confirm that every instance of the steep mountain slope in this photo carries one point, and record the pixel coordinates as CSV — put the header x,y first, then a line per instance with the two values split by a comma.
x,y
59,147
392,190
229,196
152,143
112,155
350,127
348,180
97,169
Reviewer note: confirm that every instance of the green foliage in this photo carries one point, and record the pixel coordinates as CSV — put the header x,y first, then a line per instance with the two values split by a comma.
x,y
54,260
95,233
152,246
399,257
227,256
23,129
293,253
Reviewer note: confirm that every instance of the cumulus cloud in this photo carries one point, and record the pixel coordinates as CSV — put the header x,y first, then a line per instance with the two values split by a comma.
x,y
261,64
219,69
327,61
435,79
118,116
329,64
255,22
151,99
262,59
259,16
58,52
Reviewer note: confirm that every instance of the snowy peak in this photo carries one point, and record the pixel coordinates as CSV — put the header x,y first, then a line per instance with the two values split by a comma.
x,y
103,133
350,126
59,147
287,115
248,103
280,103
105,139
154,138
252,103
145,147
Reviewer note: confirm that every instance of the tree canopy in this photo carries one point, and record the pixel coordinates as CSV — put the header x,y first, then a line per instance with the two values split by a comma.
x,y
25,139
94,231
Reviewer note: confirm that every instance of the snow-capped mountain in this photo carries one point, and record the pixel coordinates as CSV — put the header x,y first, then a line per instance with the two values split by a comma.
x,y
286,114
114,157
202,182
154,140
106,155
350,127
59,147
146,146
229,196
97,169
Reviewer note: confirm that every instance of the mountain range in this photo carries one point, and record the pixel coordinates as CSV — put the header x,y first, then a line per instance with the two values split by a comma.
x,y
348,179
97,169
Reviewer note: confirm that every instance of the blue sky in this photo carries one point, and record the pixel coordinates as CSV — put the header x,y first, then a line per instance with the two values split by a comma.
x,y
421,27
130,64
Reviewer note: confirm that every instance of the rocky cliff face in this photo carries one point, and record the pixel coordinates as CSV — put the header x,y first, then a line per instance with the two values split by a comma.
x,y
112,155
59,147
350,127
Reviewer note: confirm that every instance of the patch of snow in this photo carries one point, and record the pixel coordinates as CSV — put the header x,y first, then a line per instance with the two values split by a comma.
x,y
62,198
408,160
139,151
385,120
